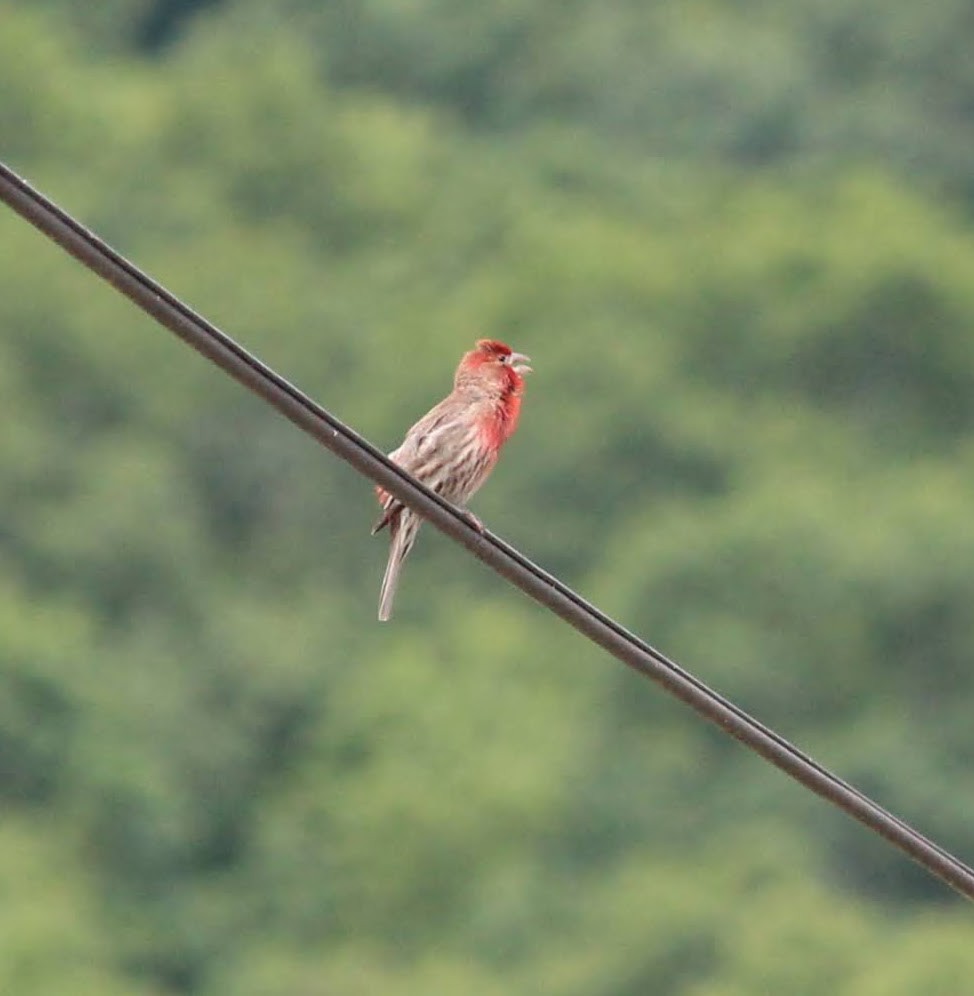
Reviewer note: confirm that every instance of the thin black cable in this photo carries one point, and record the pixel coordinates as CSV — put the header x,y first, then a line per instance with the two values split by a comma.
x,y
195,330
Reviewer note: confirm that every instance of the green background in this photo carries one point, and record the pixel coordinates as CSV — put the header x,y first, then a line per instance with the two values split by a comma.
x,y
737,240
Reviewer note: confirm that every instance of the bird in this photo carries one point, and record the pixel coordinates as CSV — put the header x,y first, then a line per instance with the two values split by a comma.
x,y
453,448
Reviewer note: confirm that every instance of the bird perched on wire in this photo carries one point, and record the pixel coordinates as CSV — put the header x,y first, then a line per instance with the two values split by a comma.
x,y
453,448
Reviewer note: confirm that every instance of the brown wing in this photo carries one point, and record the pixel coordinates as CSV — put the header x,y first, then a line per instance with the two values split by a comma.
x,y
418,453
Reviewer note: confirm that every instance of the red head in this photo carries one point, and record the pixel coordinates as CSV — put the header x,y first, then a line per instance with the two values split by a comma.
x,y
492,374
493,367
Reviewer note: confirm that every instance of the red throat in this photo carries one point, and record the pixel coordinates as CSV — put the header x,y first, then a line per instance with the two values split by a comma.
x,y
499,425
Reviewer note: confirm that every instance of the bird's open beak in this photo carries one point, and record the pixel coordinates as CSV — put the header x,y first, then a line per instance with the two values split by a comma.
x,y
520,363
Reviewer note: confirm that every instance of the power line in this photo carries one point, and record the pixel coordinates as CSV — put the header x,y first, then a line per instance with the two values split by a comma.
x,y
344,442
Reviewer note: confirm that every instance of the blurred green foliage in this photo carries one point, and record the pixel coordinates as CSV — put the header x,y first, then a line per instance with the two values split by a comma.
x,y
737,241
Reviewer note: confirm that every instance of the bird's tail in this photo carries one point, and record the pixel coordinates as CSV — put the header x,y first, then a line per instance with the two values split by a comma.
x,y
403,529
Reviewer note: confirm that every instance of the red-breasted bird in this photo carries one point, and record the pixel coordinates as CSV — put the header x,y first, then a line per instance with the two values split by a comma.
x,y
453,448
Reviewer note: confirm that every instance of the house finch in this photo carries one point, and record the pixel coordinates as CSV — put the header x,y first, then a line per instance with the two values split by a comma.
x,y
453,447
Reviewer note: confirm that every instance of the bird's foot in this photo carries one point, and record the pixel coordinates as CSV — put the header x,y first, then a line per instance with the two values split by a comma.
x,y
473,520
